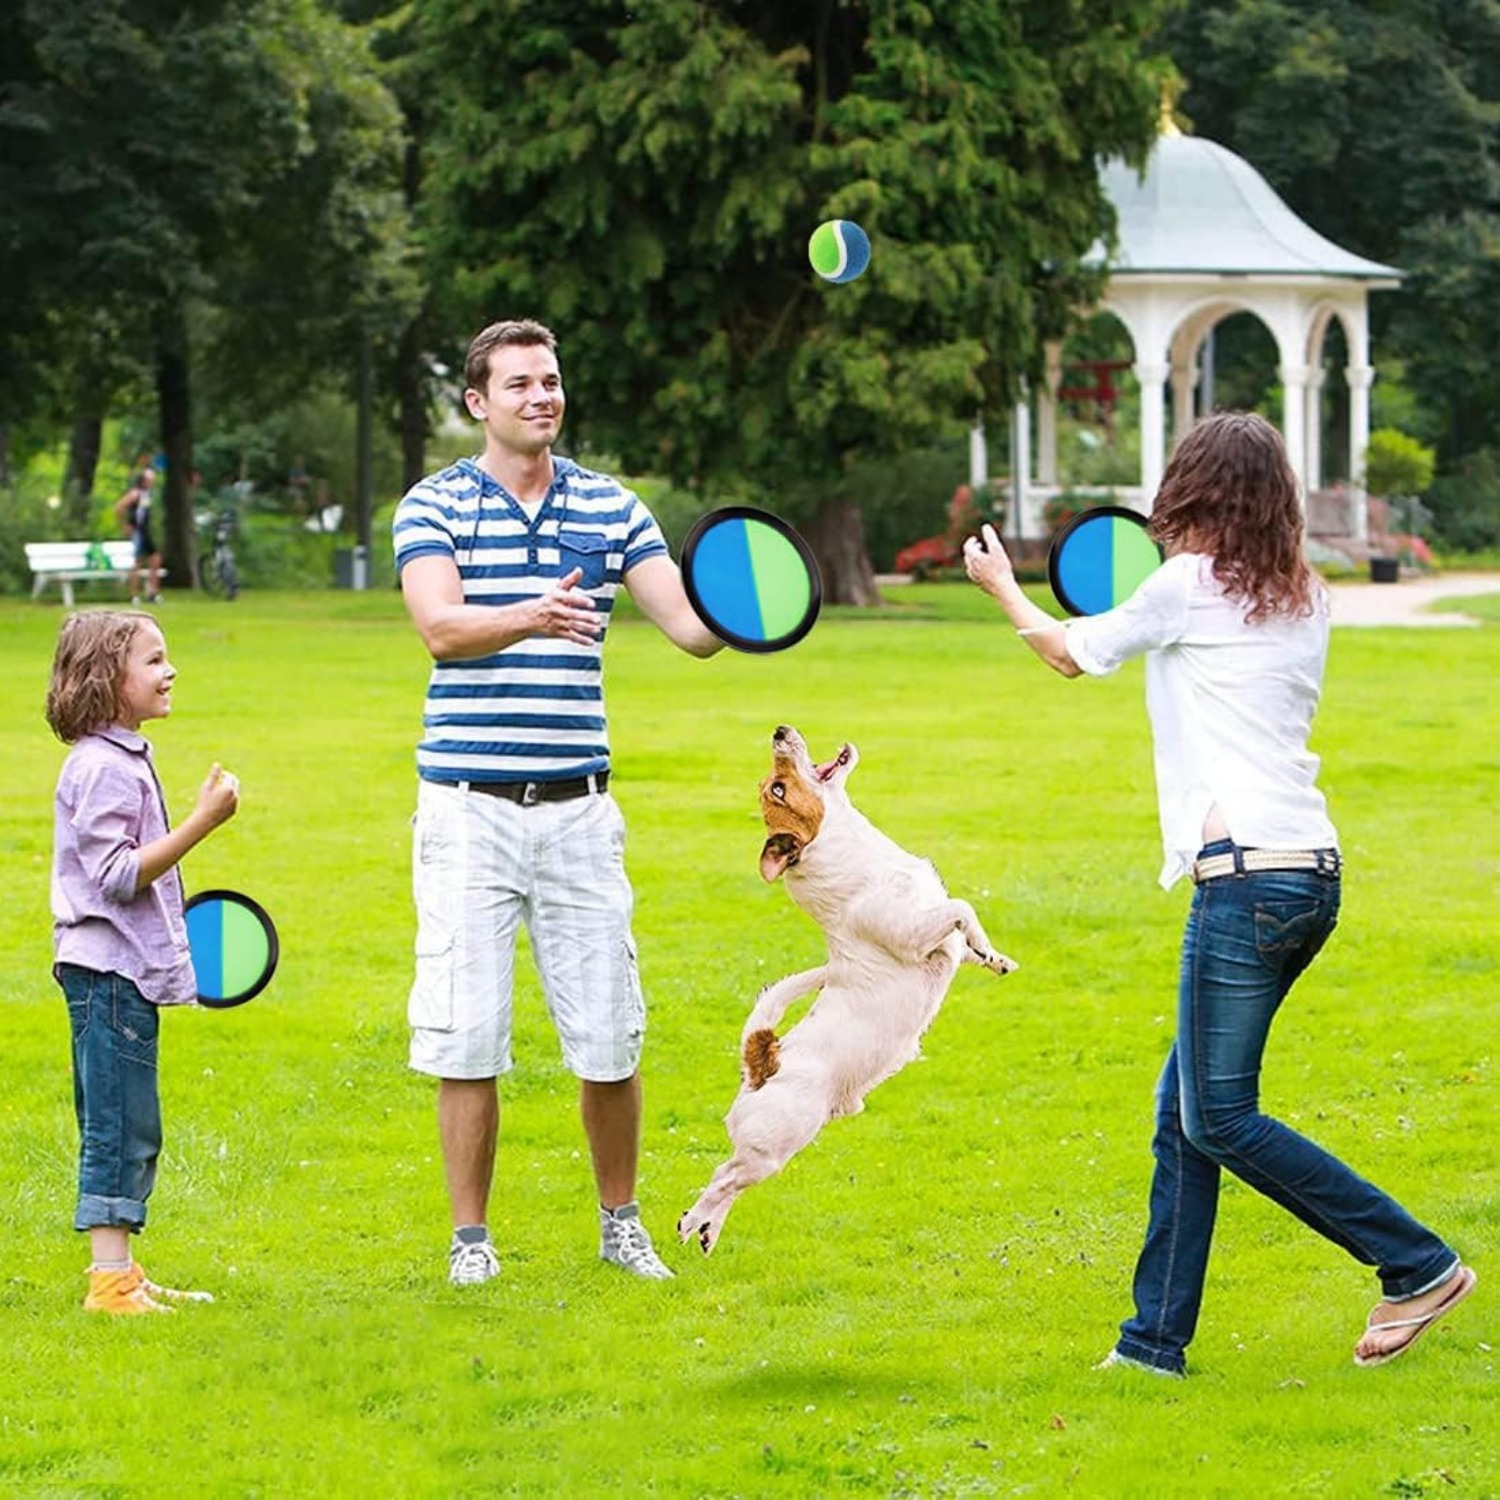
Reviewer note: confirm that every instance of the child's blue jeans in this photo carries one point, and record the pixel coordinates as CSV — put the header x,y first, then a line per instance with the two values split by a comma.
x,y
114,1094
1248,938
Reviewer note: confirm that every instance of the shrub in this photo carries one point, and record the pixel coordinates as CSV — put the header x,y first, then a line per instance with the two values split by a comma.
x,y
1465,504
1396,464
1066,504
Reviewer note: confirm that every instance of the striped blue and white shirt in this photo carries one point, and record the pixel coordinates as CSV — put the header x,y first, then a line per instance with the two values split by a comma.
x,y
534,711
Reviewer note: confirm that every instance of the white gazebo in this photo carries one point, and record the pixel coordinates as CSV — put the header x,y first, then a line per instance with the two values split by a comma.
x,y
1202,236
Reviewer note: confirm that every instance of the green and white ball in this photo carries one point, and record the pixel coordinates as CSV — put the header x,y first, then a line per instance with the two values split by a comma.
x,y
839,250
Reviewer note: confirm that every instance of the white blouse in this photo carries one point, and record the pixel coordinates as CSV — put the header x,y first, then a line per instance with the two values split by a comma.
x,y
1231,707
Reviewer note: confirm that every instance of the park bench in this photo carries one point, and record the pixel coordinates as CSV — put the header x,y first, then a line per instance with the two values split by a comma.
x,y
67,563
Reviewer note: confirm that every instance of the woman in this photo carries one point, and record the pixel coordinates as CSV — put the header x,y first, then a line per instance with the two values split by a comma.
x,y
1234,628
133,510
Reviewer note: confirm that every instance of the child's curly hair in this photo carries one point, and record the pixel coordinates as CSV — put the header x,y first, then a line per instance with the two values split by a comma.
x,y
84,693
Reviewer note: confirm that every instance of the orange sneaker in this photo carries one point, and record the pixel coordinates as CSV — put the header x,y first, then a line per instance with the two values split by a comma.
x,y
168,1293
122,1293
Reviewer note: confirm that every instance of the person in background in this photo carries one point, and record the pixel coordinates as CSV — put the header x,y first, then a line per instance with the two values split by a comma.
x,y
133,509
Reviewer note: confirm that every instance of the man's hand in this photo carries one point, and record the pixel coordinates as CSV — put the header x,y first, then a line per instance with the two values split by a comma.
x,y
568,614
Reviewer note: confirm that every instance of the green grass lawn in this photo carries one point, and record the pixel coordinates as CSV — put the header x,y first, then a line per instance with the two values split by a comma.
x,y
913,1308
1484,607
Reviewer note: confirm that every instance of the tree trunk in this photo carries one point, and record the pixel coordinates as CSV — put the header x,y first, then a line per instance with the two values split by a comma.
x,y
411,366
837,538
178,535
411,388
83,465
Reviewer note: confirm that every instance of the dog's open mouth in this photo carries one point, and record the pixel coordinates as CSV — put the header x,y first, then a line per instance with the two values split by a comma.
x,y
826,770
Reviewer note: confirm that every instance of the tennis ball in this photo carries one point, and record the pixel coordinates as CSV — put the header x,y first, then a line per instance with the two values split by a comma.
x,y
839,250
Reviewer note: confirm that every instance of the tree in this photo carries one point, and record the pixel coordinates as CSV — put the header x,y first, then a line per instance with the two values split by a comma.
x,y
224,169
647,184
414,371
1448,326
1394,154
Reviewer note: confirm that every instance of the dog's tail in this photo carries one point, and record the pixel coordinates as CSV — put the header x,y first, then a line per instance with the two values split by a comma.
x,y
761,1056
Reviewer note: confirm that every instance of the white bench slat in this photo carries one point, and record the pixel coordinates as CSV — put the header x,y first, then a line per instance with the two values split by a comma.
x,y
66,563
53,557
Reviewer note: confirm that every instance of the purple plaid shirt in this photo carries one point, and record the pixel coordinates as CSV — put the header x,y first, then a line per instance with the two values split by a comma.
x,y
109,803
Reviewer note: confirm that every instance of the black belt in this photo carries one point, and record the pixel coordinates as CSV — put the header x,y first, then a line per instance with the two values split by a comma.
x,y
529,793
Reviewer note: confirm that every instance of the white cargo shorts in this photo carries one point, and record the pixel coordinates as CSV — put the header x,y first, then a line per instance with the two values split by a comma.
x,y
482,865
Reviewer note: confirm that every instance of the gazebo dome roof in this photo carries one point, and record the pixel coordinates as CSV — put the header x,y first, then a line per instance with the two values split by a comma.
x,y
1199,208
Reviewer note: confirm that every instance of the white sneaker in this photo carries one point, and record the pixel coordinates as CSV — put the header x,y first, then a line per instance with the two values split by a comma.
x,y
1114,1359
471,1264
623,1242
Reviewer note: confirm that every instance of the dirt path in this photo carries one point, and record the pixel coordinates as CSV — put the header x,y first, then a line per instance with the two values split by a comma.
x,y
1406,603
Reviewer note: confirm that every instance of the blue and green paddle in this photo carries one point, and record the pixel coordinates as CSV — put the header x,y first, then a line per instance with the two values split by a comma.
x,y
233,945
1099,559
751,579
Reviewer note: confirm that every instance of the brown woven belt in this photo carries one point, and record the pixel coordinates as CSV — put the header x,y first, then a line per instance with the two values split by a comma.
x,y
529,793
1252,861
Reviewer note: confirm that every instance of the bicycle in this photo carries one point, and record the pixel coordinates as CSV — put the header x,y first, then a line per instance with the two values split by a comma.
x,y
217,573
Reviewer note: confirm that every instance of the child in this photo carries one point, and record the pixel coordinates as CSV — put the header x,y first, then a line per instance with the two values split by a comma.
x,y
118,928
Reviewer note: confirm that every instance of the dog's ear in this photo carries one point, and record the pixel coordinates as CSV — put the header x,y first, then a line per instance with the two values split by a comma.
x,y
780,850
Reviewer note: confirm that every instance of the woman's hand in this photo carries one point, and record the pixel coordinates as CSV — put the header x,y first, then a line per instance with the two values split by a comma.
x,y
986,561
988,564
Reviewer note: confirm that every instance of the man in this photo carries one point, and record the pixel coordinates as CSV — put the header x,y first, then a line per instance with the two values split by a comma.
x,y
133,511
509,565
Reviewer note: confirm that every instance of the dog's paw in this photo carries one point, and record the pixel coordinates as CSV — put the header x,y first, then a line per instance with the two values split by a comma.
x,y
998,963
705,1231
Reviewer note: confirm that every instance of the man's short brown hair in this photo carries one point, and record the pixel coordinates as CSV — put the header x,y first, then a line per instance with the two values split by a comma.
x,y
497,335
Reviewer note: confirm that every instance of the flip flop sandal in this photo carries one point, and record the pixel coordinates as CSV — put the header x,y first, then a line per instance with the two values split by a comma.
x,y
1464,1280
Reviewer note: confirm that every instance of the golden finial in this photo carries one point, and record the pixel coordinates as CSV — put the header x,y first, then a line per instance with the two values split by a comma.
x,y
1166,121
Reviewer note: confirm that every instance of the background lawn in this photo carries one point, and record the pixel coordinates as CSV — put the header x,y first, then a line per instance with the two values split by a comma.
x,y
914,1306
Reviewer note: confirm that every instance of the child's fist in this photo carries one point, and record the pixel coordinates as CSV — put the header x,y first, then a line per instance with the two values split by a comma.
x,y
219,798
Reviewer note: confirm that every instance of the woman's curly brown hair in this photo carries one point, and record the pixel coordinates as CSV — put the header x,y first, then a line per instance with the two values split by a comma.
x,y
87,669
1230,492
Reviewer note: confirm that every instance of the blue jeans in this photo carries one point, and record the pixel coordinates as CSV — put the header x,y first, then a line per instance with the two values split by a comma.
x,y
114,1095
1248,938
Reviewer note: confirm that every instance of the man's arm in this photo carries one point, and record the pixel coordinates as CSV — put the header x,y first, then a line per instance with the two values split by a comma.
x,y
656,585
455,631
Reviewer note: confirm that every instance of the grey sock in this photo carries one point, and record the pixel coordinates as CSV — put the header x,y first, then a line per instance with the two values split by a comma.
x,y
631,1210
470,1234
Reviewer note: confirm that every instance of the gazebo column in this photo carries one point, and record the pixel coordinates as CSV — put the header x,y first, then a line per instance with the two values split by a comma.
x,y
1293,380
979,458
1313,424
1184,381
1020,464
1152,375
1360,377
1046,417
